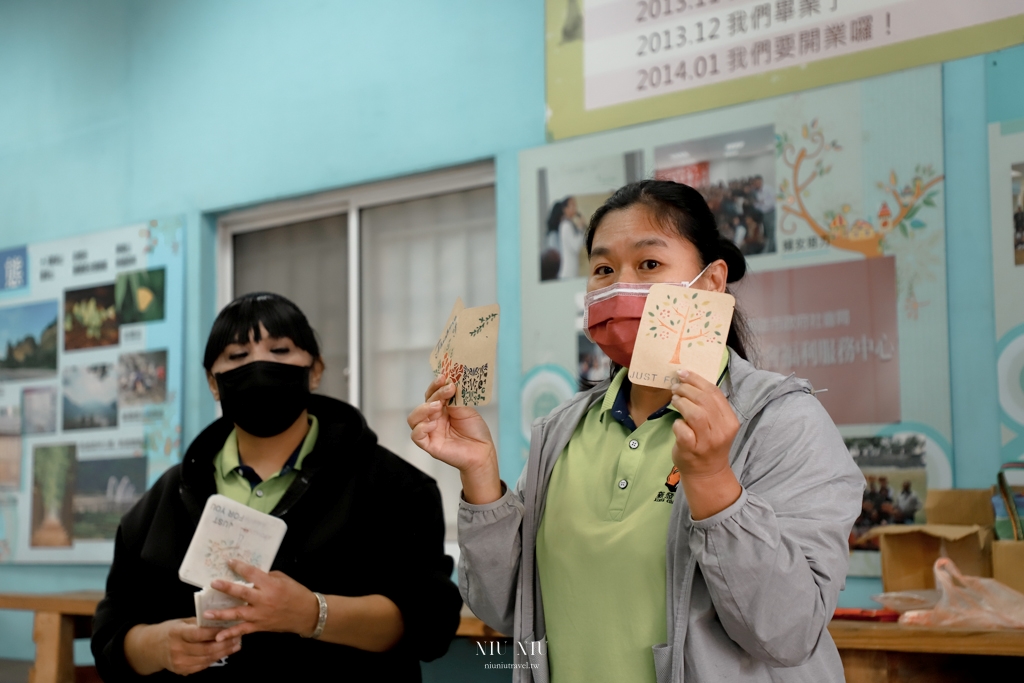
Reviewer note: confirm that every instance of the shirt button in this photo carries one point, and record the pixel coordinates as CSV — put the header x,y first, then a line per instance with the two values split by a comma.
x,y
623,484
259,493
634,444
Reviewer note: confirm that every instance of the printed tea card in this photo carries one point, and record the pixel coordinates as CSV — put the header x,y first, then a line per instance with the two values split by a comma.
x,y
230,530
681,329
467,351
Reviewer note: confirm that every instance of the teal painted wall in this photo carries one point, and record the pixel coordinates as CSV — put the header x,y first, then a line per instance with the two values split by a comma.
x,y
116,111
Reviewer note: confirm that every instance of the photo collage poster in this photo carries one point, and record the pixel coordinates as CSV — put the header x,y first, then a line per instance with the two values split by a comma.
x,y
1006,183
90,386
836,198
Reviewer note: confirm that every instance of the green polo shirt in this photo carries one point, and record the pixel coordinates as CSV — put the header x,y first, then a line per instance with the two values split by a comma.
x,y
230,473
601,544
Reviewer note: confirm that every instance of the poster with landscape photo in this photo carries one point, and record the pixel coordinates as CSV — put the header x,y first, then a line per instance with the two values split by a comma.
x,y
90,397
53,481
28,341
104,491
91,351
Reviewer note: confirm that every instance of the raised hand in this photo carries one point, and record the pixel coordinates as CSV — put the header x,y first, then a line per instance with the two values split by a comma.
x,y
703,441
458,436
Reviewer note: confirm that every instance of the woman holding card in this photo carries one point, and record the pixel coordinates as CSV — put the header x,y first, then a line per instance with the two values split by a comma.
x,y
359,585
593,562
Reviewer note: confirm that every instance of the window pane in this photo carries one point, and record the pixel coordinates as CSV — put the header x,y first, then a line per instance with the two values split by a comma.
x,y
308,263
417,258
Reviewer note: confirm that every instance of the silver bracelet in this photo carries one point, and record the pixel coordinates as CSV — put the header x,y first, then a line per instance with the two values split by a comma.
x,y
322,618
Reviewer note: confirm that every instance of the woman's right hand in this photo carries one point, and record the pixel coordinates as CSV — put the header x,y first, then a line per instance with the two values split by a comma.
x,y
177,645
458,436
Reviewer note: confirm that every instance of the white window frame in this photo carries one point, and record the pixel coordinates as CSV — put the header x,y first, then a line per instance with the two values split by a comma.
x,y
350,201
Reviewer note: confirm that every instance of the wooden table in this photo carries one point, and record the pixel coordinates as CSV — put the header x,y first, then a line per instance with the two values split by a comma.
x,y
60,618
875,652
872,652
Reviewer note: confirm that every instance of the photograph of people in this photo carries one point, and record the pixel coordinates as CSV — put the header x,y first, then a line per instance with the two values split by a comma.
x,y
697,532
564,243
360,585
1016,175
734,174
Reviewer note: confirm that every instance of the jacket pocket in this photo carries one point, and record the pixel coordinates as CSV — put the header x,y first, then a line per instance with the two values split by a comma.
x,y
536,656
662,662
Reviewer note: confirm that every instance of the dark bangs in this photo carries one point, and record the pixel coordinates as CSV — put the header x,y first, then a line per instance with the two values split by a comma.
x,y
280,316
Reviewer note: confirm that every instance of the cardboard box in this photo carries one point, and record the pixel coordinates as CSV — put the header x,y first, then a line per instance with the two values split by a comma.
x,y
959,527
909,552
960,506
1008,563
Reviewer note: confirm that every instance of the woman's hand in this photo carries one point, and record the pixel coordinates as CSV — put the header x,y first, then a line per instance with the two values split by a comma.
x,y
177,645
458,436
703,441
277,602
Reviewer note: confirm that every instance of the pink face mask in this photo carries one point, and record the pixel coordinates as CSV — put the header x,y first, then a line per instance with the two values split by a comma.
x,y
611,317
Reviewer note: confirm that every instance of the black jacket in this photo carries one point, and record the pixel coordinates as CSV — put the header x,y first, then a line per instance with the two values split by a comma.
x,y
361,521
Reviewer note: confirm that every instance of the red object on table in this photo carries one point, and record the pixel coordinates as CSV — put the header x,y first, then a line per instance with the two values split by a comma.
x,y
857,614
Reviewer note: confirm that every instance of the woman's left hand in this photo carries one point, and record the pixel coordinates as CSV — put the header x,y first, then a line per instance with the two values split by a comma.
x,y
705,434
276,603
703,441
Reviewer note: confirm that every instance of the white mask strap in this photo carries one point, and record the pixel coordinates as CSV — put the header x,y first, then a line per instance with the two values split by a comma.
x,y
687,284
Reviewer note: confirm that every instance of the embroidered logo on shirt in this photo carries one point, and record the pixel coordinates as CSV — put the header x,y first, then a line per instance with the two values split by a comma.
x,y
672,481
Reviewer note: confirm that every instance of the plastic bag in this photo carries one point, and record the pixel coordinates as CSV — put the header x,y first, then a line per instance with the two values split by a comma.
x,y
904,601
969,602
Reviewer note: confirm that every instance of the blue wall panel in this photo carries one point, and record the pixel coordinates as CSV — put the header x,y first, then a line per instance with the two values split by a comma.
x,y
115,111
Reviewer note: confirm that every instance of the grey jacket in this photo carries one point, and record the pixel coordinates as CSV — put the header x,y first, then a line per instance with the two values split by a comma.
x,y
750,591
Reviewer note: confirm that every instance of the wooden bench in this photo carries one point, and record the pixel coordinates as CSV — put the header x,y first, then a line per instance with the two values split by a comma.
x,y
59,619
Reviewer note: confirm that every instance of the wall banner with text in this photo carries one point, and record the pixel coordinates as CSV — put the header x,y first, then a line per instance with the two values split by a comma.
x,y
90,386
613,63
836,198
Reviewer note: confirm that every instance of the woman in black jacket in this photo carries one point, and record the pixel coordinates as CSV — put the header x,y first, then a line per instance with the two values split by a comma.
x,y
360,587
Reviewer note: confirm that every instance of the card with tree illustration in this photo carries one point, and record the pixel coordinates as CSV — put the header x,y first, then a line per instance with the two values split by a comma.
x,y
466,353
681,329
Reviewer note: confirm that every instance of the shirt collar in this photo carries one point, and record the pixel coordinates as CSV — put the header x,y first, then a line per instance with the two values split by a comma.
x,y
616,398
231,461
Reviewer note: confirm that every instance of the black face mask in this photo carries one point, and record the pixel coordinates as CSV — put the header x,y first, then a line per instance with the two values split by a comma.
x,y
264,397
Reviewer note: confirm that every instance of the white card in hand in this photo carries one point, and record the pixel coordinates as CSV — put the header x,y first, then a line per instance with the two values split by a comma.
x,y
212,600
230,530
